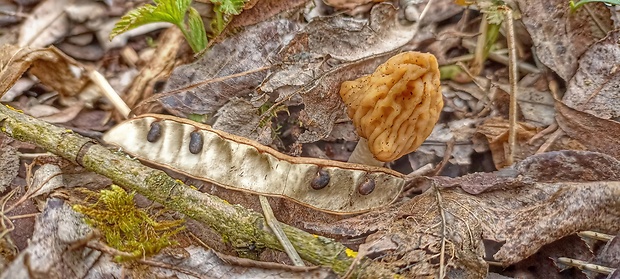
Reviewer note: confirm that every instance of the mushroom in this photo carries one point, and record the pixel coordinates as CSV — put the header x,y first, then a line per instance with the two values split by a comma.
x,y
395,108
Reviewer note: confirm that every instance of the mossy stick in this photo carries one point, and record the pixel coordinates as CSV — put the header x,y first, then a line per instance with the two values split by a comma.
x,y
233,222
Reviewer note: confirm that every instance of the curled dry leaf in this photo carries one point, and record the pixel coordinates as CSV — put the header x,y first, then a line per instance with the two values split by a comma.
x,y
49,65
51,249
597,134
47,178
9,164
561,36
594,88
47,23
538,201
232,68
496,131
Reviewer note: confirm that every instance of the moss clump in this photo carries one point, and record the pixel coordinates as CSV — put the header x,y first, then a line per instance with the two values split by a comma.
x,y
126,227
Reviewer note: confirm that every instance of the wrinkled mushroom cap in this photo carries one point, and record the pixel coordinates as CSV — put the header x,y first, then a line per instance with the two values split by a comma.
x,y
396,107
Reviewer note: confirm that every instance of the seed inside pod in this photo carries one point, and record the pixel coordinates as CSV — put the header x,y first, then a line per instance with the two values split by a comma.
x,y
367,187
320,181
154,133
195,142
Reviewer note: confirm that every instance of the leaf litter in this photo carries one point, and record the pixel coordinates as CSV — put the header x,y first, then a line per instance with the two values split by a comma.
x,y
443,226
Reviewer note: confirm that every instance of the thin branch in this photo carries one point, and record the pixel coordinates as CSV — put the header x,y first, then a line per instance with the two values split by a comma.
x,y
513,78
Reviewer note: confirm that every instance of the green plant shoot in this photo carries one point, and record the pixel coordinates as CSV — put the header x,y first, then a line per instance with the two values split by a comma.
x,y
173,11
181,14
574,6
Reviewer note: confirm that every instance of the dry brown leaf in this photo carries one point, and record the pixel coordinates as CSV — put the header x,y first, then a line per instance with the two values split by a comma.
x,y
349,4
597,134
236,55
47,23
561,36
56,229
496,130
49,65
240,117
540,200
64,115
610,254
594,88
260,11
9,164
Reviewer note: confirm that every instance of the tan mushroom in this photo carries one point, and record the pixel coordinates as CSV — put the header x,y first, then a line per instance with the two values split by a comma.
x,y
395,108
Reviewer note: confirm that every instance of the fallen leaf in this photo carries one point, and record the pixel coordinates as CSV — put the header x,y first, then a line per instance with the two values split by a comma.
x,y
47,24
236,55
496,130
561,36
349,4
9,164
597,134
241,118
55,231
522,207
49,65
46,179
65,115
262,10
594,88
610,254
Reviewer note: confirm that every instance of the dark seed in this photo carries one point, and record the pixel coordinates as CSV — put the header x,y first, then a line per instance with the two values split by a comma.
x,y
195,142
320,181
367,187
154,133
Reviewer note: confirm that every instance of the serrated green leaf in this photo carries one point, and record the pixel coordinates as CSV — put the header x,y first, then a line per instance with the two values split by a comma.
x,y
172,11
230,7
197,35
574,6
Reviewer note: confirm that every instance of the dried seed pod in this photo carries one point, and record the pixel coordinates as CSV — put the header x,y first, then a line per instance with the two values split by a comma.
x,y
396,107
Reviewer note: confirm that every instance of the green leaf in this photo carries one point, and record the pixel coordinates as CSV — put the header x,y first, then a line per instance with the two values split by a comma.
x,y
197,35
172,11
574,6
230,7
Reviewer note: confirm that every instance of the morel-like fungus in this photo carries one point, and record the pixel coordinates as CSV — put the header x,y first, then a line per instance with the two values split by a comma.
x,y
396,107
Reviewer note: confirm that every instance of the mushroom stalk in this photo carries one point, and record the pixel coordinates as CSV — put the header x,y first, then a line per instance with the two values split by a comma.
x,y
362,155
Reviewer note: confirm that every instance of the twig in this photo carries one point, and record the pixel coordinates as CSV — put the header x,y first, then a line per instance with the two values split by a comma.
x,y
596,235
109,93
586,266
513,78
277,230
442,266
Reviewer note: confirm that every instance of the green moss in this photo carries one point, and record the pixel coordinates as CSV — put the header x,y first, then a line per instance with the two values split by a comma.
x,y
126,227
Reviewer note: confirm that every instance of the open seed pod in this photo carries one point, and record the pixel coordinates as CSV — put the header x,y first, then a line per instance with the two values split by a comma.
x,y
396,107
